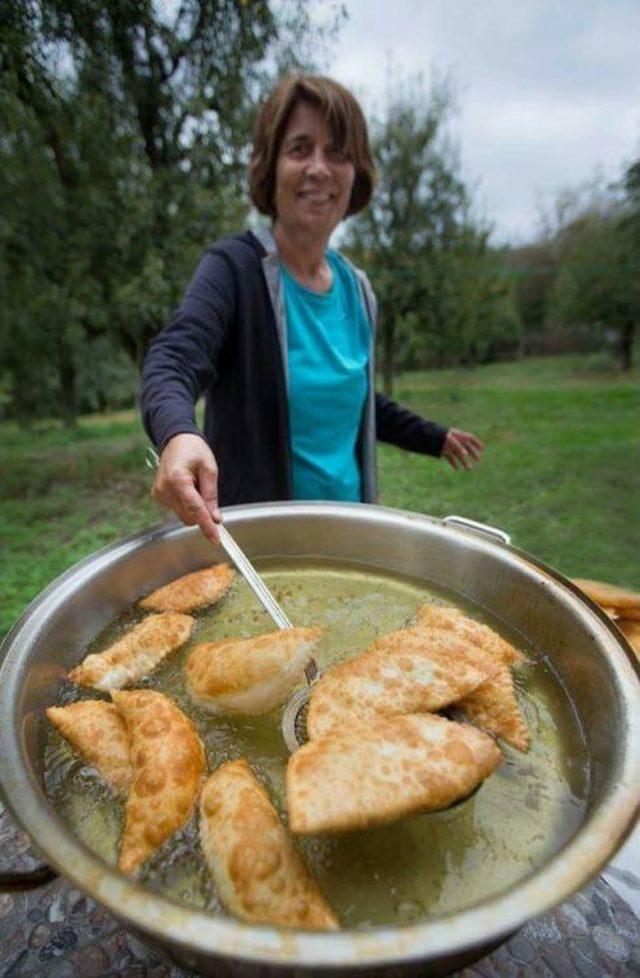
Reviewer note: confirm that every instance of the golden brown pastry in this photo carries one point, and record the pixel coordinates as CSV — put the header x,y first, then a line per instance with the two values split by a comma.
x,y
449,617
631,631
169,765
258,873
494,707
408,671
365,775
191,592
98,733
135,655
610,596
249,675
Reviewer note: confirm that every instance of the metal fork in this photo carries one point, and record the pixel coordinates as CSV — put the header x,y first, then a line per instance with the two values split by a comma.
x,y
260,589
250,575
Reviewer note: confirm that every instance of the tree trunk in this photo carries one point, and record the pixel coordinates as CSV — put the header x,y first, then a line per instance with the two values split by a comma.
x,y
68,388
21,402
626,346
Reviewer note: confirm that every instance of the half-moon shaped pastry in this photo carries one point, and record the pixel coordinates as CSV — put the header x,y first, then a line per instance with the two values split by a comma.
x,y
448,617
250,675
169,765
408,671
191,592
96,730
135,655
494,707
254,865
610,596
364,775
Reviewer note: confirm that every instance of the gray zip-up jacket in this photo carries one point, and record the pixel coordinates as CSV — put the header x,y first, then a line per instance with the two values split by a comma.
x,y
228,340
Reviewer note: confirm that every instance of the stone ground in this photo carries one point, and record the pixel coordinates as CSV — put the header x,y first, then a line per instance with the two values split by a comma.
x,y
57,932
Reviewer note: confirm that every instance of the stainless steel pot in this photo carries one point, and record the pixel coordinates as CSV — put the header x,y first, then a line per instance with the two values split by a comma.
x,y
589,655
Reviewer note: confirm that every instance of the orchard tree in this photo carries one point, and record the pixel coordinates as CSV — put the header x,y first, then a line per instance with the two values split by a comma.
x,y
441,293
598,280
135,116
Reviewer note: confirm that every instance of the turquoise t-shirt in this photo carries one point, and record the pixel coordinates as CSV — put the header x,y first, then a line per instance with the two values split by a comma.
x,y
328,340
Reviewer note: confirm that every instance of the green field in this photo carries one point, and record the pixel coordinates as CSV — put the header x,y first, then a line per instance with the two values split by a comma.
x,y
560,473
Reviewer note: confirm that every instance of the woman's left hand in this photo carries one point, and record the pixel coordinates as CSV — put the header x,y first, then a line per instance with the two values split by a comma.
x,y
462,449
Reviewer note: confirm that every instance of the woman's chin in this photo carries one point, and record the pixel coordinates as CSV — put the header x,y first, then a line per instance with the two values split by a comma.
x,y
318,222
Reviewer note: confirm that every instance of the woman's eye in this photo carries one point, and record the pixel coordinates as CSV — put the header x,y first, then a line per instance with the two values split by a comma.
x,y
338,154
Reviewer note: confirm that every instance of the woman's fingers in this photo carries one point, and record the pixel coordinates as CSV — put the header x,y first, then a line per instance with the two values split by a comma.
x,y
462,449
207,482
187,483
190,507
473,444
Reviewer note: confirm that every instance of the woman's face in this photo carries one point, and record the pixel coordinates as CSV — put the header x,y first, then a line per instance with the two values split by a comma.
x,y
313,176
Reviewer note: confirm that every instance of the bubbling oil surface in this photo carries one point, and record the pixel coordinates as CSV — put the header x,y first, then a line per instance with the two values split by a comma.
x,y
419,866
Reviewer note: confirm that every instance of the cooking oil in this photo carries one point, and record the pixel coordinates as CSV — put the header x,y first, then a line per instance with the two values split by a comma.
x,y
421,865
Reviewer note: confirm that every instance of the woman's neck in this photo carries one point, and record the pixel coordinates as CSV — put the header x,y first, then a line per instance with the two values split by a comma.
x,y
304,256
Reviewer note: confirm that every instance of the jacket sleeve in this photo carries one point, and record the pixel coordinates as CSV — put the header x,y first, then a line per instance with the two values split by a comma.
x,y
395,424
181,360
401,427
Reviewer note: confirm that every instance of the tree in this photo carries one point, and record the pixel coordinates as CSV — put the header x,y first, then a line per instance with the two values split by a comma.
x,y
598,284
534,268
442,294
136,118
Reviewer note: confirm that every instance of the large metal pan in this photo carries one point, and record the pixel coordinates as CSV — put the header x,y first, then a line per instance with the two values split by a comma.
x,y
590,657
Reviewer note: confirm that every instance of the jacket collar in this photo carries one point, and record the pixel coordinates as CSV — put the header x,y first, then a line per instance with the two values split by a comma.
x,y
265,237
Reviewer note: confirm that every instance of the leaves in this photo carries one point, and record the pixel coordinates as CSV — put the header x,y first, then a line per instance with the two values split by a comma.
x,y
444,295
597,283
124,155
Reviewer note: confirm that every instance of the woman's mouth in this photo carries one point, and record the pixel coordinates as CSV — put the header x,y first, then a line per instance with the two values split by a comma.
x,y
316,197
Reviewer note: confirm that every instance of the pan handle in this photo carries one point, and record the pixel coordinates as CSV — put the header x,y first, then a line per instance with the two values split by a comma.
x,y
26,879
484,528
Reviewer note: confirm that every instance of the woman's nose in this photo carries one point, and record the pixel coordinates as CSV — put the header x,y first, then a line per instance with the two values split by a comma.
x,y
318,162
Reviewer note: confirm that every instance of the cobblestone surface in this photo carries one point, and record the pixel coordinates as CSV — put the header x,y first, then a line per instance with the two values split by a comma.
x,y
57,932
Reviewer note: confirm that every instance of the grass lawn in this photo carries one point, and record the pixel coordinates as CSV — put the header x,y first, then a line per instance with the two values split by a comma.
x,y
560,473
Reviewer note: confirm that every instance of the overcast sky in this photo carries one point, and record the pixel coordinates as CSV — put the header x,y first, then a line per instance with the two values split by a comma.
x,y
548,90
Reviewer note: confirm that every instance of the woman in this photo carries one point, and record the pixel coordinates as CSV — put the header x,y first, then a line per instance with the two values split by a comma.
x,y
277,330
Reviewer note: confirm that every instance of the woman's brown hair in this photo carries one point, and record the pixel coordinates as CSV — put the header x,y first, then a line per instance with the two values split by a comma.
x,y
345,120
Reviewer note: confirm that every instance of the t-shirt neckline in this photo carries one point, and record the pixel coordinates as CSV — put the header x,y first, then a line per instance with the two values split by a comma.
x,y
319,296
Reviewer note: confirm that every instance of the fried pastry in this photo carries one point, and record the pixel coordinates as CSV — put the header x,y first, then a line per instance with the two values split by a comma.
x,y
408,671
249,675
494,707
610,596
135,655
631,631
360,775
96,730
169,765
258,873
191,592
448,617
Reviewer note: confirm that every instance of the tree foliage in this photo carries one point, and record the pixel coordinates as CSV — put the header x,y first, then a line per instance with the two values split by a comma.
x,y
444,295
534,268
598,282
125,142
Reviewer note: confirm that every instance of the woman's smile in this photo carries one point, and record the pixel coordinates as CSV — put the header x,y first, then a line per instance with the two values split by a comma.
x,y
315,196
314,176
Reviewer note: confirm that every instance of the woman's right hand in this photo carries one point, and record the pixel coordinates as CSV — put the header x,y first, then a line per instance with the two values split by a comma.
x,y
187,483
